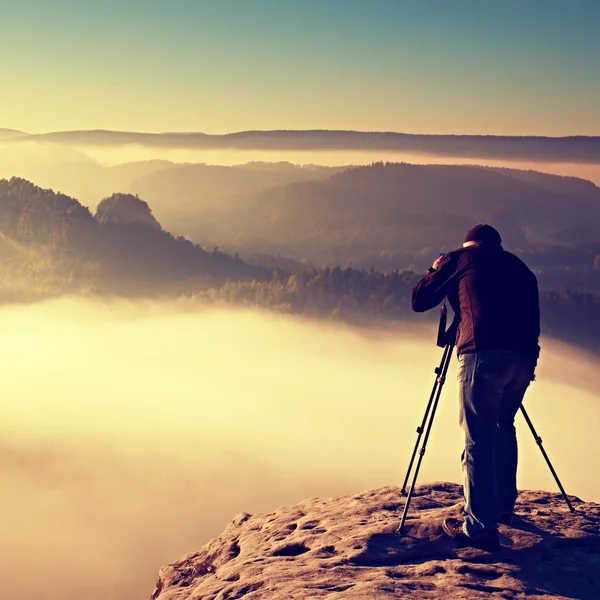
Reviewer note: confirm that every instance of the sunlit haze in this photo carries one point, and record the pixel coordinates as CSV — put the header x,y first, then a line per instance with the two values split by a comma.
x,y
137,431
212,227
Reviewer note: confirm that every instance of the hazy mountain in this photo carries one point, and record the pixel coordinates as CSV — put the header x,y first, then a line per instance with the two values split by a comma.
x,y
586,232
548,181
564,149
50,245
125,209
123,241
70,170
31,214
383,216
11,133
389,209
182,185
181,193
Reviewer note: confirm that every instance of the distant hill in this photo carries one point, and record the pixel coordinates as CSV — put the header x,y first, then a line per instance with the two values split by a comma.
x,y
383,216
31,214
124,241
583,233
379,212
169,187
180,193
51,245
70,170
552,149
11,133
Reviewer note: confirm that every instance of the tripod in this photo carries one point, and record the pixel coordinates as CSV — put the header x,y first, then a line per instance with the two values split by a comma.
x,y
425,427
446,340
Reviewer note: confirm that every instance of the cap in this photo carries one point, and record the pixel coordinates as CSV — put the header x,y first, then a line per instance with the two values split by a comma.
x,y
483,233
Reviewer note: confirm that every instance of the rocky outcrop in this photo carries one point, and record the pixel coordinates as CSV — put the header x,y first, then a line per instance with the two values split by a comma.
x,y
125,241
348,548
125,209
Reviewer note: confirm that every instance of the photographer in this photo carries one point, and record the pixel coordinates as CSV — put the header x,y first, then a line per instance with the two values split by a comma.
x,y
495,299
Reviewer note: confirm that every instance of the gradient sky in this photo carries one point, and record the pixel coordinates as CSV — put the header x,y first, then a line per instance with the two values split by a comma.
x,y
423,66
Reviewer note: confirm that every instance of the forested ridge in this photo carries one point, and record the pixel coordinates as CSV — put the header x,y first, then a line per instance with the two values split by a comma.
x,y
367,296
123,245
51,245
386,215
572,148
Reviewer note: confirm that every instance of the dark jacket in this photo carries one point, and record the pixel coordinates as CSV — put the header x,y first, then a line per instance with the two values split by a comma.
x,y
493,295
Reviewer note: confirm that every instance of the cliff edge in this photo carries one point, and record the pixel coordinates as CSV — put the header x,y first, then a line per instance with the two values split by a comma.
x,y
347,548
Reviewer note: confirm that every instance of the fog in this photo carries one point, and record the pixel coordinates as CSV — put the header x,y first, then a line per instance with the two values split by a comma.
x,y
90,173
113,155
131,434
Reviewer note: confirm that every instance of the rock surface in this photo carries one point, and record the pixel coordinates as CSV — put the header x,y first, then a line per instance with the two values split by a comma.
x,y
126,209
347,547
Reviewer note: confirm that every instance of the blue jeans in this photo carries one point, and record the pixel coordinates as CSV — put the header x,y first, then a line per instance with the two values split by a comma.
x,y
492,384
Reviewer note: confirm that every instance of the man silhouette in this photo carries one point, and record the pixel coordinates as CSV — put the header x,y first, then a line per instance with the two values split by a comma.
x,y
495,298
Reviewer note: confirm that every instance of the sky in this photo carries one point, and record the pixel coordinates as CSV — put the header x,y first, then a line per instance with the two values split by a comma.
x,y
516,67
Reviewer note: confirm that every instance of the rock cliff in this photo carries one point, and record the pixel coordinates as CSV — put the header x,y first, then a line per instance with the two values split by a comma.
x,y
125,208
348,548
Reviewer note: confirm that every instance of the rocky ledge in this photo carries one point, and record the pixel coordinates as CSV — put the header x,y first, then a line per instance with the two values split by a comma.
x,y
348,548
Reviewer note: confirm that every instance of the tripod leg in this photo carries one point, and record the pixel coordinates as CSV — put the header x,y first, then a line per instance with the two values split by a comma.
x,y
538,441
442,379
438,371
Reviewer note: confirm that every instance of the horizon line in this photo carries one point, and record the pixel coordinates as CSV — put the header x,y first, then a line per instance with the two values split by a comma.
x,y
289,131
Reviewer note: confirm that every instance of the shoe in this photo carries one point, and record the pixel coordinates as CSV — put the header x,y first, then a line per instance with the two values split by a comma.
x,y
505,518
489,541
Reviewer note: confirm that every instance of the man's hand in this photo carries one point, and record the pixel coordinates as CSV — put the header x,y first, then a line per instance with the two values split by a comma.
x,y
437,262
432,288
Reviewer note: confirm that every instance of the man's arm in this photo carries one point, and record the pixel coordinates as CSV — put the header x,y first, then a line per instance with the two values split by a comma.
x,y
432,289
534,298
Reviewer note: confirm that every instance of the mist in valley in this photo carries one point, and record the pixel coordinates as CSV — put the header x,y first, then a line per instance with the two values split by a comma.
x,y
115,155
91,173
132,433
